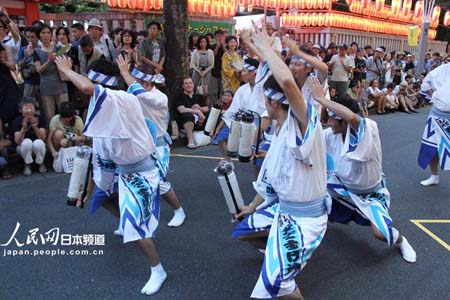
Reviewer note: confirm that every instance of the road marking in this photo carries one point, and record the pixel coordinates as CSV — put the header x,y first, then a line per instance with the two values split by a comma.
x,y
200,156
418,223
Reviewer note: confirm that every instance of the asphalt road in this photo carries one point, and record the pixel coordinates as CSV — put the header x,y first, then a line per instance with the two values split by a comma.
x,y
203,262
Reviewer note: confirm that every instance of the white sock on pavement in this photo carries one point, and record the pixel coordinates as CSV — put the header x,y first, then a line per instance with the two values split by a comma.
x,y
118,232
432,180
407,251
178,218
156,280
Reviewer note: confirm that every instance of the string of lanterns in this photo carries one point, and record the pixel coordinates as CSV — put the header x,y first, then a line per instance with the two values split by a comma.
x,y
400,10
346,21
217,8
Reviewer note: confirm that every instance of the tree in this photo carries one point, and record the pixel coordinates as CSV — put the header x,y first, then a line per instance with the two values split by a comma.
x,y
175,30
75,6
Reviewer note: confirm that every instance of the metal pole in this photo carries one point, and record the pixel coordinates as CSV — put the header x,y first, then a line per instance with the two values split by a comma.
x,y
423,43
427,10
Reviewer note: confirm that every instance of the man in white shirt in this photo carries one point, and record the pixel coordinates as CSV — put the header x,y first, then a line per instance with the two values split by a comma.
x,y
355,179
435,145
341,65
102,43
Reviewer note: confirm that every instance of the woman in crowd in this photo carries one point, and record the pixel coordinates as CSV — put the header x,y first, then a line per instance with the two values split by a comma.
x,y
377,96
128,49
53,89
231,69
388,66
202,62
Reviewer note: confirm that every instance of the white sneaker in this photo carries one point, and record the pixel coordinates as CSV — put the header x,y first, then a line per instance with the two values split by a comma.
x,y
42,168
432,180
27,170
178,218
407,251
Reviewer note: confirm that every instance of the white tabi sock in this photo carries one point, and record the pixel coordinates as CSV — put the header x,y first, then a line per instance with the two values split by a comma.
x,y
178,218
118,232
156,280
432,180
407,251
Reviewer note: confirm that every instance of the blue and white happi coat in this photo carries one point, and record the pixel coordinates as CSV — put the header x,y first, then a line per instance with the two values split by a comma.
x,y
355,180
294,171
129,144
436,140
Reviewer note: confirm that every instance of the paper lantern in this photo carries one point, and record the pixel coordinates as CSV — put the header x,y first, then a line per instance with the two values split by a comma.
x,y
112,3
365,3
435,14
379,4
406,7
122,3
132,4
447,18
395,6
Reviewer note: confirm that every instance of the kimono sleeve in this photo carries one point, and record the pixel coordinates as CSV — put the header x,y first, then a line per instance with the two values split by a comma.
x,y
359,143
108,112
302,146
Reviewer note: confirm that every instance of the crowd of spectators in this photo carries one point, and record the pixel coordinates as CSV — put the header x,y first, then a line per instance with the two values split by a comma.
x,y
41,113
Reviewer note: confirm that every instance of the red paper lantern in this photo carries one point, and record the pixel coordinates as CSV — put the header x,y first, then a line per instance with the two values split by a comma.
x,y
122,3
395,6
112,3
132,4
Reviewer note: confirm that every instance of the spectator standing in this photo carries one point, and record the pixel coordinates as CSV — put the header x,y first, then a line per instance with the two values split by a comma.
x,y
141,36
77,30
410,67
117,35
219,49
374,66
53,90
87,54
202,62
399,67
388,66
231,69
341,65
152,50
29,135
193,38
105,46
9,35
331,51
359,73
26,58
128,49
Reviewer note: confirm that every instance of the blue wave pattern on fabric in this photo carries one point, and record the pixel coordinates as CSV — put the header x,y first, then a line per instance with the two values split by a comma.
x,y
356,136
312,117
260,220
435,140
140,203
106,164
95,104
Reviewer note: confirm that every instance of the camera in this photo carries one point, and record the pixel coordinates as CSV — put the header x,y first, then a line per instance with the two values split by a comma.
x,y
69,136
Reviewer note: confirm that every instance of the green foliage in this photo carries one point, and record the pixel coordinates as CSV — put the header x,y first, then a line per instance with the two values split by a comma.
x,y
74,6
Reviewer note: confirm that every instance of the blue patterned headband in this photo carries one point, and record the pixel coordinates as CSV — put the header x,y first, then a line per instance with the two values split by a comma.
x,y
275,95
333,115
157,78
102,78
249,67
298,58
